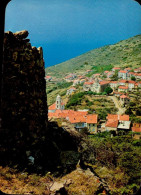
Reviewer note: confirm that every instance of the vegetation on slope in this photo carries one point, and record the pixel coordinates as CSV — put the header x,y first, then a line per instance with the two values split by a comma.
x,y
117,160
87,100
53,89
124,53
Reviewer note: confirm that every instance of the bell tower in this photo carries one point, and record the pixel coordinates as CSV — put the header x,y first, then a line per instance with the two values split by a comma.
x,y
58,102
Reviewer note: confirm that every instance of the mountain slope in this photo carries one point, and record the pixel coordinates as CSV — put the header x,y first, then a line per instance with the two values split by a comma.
x,y
123,53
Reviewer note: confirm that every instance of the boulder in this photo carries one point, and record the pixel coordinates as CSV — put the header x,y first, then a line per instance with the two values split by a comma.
x,y
21,34
58,188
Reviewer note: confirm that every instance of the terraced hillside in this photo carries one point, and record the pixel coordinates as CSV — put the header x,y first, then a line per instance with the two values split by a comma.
x,y
122,54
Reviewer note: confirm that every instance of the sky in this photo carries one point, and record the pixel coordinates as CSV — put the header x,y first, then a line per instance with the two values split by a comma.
x,y
68,28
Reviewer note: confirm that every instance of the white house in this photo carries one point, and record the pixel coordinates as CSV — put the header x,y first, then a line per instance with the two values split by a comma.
x,y
123,74
87,86
113,84
131,85
71,90
123,89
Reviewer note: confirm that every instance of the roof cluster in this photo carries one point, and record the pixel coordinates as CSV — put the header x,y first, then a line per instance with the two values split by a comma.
x,y
75,116
113,120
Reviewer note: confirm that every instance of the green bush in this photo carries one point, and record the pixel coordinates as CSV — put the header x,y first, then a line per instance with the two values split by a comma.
x,y
75,99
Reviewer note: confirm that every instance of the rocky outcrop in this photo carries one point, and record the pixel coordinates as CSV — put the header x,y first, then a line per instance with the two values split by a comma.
x,y
80,182
24,103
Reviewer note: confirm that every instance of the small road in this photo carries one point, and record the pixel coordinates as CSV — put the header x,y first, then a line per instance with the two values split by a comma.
x,y
117,105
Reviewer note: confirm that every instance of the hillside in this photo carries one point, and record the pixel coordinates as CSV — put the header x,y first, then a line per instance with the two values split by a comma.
x,y
124,53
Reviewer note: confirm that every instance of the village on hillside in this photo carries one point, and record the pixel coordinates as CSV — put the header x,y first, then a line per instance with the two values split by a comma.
x,y
120,84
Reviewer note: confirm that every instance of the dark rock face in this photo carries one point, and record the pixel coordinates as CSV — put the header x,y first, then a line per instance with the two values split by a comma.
x,y
24,102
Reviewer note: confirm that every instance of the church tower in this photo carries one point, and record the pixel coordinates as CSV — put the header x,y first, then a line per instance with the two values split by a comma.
x,y
58,102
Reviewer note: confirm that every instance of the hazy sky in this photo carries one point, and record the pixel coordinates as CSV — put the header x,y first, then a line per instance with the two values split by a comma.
x,y
67,28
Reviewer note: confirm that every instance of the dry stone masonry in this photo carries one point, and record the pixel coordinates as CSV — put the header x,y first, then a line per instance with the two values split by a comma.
x,y
24,102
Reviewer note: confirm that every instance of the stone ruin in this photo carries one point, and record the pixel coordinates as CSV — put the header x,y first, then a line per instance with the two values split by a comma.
x,y
24,102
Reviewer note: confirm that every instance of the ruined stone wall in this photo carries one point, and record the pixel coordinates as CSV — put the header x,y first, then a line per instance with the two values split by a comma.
x,y
24,102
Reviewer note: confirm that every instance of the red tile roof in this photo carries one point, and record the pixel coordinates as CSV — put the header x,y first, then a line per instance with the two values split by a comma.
x,y
116,68
123,81
131,82
97,74
137,69
92,119
52,107
136,127
73,88
132,73
124,117
112,123
88,83
104,82
123,87
124,97
77,119
114,82
118,117
106,71
123,71
48,77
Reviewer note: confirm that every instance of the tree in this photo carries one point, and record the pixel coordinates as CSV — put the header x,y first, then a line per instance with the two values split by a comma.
x,y
108,90
115,76
133,78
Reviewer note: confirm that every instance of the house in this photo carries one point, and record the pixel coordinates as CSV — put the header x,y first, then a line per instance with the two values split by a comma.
x,y
117,122
124,125
110,74
70,77
124,100
130,74
97,75
79,122
91,121
111,125
127,69
106,72
123,89
87,86
99,86
48,78
76,82
123,82
82,81
137,70
118,94
136,127
79,119
115,69
131,85
123,74
138,76
71,90
113,85
139,84
58,105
